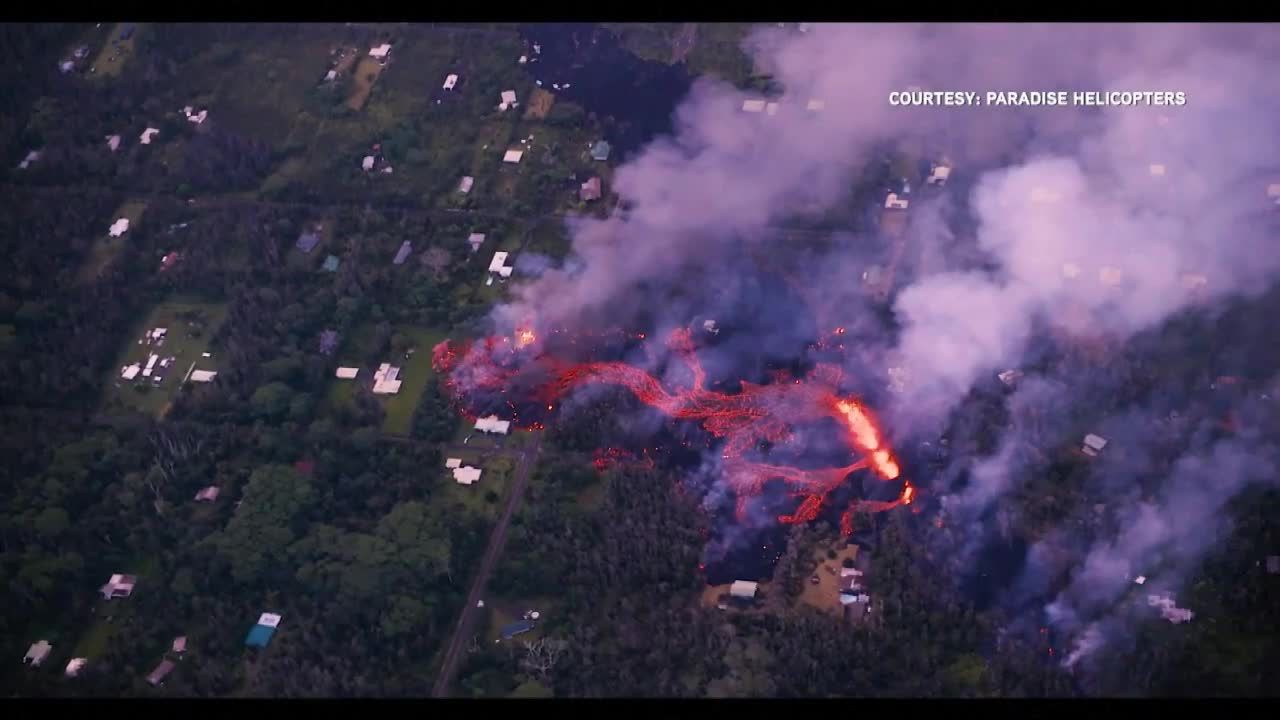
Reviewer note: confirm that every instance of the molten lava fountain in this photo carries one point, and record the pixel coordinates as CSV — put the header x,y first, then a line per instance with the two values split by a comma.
x,y
743,420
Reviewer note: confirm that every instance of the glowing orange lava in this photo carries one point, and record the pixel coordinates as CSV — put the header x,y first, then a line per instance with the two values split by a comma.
x,y
744,420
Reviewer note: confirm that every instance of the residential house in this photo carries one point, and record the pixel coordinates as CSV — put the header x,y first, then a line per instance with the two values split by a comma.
x,y
450,81
402,254
261,633
464,187
743,590
74,666
367,163
453,463
475,240
938,175
591,190
493,425
37,653
600,151
893,202
516,628
113,142
499,265
380,51
346,373
147,135
162,671
385,380
208,494
203,376
508,100
180,644
1093,445
119,586
330,264
465,475
513,156
119,227
308,241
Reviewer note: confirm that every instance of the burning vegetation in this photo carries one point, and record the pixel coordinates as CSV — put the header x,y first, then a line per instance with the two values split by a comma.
x,y
528,378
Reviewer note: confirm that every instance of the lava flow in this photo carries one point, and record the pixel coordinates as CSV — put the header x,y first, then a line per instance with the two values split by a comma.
x,y
744,420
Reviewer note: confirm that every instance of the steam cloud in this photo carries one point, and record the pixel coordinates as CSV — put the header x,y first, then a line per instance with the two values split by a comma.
x,y
1074,228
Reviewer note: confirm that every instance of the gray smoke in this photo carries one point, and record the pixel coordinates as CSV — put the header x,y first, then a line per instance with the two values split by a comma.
x,y
1100,223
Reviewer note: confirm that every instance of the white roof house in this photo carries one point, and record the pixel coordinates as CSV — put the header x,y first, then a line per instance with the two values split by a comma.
x,y
269,620
492,424
509,97
37,653
331,75
147,134
119,586
939,175
513,156
73,667
743,589
31,157
892,202
753,106
464,187
380,51
347,373
384,380
367,163
475,240
113,142
129,372
450,81
180,644
203,376
453,463
119,227
1093,444
208,494
499,265
466,474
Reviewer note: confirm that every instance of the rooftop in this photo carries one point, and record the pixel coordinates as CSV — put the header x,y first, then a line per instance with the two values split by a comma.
x,y
405,248
162,670
600,151
347,373
38,652
516,628
492,424
743,588
466,474
513,156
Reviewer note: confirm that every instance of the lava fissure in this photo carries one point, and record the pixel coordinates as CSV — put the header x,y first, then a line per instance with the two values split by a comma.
x,y
755,415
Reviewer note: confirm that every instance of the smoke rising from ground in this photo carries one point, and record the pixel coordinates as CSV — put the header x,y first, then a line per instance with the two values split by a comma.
x,y
1100,222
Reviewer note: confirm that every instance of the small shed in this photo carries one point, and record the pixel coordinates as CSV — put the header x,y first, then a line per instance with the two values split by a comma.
x,y
74,666
119,227
512,156
162,671
464,187
475,240
180,644
346,373
208,494
119,586
113,142
939,175
331,264
450,81
401,255
591,190
600,151
753,106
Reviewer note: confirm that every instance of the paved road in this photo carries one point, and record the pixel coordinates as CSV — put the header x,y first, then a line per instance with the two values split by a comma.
x,y
466,621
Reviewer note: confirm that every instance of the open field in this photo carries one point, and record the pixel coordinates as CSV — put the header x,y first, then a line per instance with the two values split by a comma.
x,y
540,103
825,596
184,342
105,248
116,52
366,74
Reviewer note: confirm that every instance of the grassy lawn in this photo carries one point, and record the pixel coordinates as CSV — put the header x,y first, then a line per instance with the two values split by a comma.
x,y
591,498
496,478
105,248
503,611
143,394
540,103
416,373
115,52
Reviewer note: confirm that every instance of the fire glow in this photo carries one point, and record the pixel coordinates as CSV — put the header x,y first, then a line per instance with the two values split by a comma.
x,y
756,415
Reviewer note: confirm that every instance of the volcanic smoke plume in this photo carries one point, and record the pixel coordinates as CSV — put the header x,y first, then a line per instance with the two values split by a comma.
x,y
1095,222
